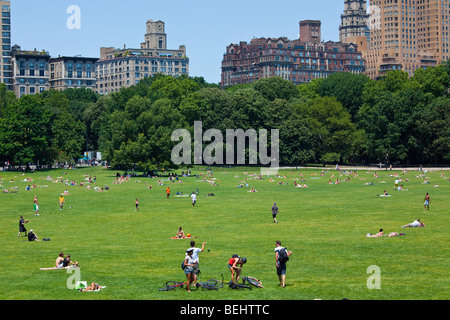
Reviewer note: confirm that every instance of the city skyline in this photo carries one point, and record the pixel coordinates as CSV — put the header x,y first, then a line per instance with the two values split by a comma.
x,y
206,28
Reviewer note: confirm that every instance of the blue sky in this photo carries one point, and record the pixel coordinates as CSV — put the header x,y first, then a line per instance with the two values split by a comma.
x,y
205,27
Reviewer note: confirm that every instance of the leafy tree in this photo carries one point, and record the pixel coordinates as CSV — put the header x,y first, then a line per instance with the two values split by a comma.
x,y
25,133
310,90
347,87
68,136
433,131
432,80
276,88
331,128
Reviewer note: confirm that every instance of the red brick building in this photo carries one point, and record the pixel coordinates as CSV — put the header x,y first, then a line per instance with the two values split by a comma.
x,y
298,61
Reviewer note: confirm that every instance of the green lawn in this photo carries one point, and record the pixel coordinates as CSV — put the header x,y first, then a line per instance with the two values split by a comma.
x,y
324,225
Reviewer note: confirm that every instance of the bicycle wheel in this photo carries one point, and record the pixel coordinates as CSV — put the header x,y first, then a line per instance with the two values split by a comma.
x,y
167,288
213,283
254,282
208,286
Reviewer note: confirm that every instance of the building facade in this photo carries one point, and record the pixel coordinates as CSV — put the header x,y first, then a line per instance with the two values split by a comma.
x,y
298,61
407,35
125,67
6,73
30,71
72,72
354,21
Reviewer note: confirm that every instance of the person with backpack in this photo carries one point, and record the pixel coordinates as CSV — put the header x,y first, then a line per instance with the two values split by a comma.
x,y
281,257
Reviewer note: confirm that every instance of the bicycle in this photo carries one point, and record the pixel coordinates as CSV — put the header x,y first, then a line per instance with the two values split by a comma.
x,y
211,284
214,283
236,285
253,281
171,285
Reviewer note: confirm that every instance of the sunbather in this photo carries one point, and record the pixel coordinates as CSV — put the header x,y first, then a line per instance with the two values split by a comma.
x,y
416,223
93,287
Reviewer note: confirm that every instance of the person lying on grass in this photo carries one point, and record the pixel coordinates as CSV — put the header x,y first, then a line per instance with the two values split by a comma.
x,y
385,194
93,287
416,223
379,234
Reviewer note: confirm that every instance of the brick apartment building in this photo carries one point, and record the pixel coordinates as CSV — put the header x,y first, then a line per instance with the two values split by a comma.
x,y
298,61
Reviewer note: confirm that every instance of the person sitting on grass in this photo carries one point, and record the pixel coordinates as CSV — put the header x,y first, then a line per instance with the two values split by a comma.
x,y
59,263
180,233
68,262
32,236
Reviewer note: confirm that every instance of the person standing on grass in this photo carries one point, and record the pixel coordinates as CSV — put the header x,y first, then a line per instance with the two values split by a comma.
x,y
189,268
22,228
193,198
195,252
275,211
426,204
61,202
281,257
36,206
137,204
167,192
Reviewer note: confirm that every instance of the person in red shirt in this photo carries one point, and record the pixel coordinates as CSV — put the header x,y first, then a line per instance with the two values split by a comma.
x,y
235,265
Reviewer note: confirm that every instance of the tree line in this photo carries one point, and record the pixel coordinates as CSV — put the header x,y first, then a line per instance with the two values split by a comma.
x,y
345,118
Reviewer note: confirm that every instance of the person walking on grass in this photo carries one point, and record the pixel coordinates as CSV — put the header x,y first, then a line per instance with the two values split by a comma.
x,y
167,192
281,257
275,211
22,228
426,204
137,204
193,198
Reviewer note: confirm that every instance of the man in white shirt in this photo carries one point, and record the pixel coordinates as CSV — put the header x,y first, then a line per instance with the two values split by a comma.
x,y
195,259
281,265
193,198
414,224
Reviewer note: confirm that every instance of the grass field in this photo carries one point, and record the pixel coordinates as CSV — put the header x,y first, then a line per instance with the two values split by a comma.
x,y
324,225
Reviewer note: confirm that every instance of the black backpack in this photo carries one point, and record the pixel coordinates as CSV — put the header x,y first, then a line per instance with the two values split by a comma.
x,y
283,256
182,265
